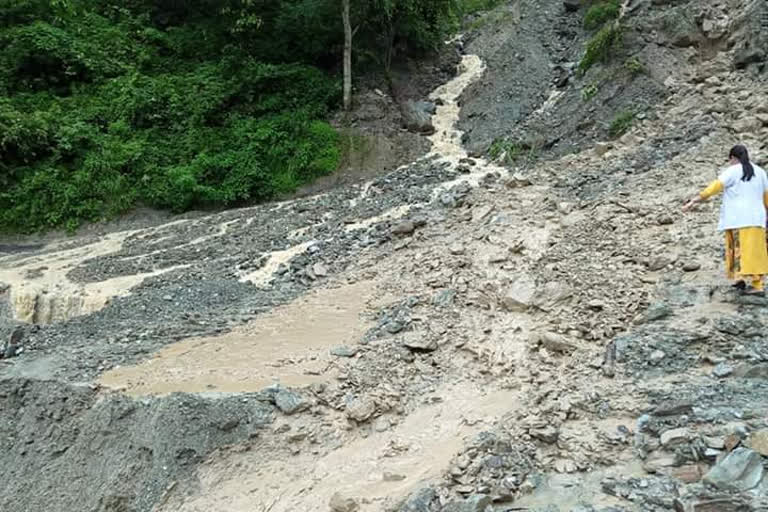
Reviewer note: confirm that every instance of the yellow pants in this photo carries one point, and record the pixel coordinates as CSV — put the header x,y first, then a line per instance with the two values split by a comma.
x,y
746,255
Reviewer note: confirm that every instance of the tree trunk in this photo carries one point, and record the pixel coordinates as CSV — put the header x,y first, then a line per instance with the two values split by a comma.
x,y
347,55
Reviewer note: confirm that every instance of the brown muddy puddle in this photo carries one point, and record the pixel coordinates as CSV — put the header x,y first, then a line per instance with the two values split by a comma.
x,y
289,345
416,451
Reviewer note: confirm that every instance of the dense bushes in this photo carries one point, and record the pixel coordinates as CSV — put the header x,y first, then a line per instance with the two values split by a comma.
x,y
600,12
105,105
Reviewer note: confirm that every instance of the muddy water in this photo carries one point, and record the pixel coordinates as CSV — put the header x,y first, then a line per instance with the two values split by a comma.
x,y
41,292
413,452
289,345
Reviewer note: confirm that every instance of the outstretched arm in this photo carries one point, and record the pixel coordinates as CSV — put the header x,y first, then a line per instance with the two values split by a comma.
x,y
714,188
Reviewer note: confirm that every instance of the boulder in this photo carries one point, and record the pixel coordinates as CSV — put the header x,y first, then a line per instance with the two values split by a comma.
x,y
740,471
417,118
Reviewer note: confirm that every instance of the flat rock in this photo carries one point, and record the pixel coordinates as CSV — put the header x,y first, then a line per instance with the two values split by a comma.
x,y
675,436
750,371
691,266
345,351
690,473
554,342
658,461
404,228
758,441
548,434
673,409
741,470
419,342
655,313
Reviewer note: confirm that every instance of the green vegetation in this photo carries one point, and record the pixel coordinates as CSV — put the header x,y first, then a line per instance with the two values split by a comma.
x,y
634,66
621,124
602,46
474,6
589,92
106,104
601,12
512,151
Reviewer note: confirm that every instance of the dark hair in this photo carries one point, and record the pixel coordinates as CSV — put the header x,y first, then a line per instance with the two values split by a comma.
x,y
740,153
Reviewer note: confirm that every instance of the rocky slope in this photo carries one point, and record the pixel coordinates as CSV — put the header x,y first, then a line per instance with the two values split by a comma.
x,y
451,336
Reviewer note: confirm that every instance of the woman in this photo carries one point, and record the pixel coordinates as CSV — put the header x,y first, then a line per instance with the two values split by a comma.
x,y
743,219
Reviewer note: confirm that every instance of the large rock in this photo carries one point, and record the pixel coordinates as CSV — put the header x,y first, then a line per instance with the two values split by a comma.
x,y
419,342
572,5
741,470
361,409
519,296
290,402
419,501
417,117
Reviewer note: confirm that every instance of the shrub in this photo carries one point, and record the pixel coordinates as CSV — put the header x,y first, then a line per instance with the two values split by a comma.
x,y
621,124
602,46
589,92
512,151
600,13
634,66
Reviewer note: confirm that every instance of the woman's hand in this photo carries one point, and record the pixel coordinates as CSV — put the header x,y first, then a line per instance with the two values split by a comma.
x,y
690,204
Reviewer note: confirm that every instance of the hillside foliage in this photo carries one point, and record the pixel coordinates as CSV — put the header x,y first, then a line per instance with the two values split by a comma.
x,y
179,104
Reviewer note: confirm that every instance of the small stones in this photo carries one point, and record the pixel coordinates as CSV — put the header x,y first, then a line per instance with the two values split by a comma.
x,y
657,355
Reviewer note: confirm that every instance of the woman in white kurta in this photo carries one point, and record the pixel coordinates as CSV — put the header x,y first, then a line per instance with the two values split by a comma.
x,y
744,186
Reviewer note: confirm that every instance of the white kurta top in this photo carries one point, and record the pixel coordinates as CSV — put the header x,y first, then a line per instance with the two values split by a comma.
x,y
742,205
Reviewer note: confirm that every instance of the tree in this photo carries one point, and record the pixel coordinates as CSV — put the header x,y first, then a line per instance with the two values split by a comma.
x,y
347,54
